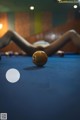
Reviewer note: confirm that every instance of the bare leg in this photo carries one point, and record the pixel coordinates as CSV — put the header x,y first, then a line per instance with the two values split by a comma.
x,y
71,35
50,49
21,42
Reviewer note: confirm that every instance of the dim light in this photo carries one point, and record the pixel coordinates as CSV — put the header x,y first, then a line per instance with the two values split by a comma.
x,y
31,7
1,25
75,6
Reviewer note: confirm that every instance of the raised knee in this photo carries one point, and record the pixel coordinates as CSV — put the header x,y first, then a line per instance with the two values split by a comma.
x,y
10,31
72,31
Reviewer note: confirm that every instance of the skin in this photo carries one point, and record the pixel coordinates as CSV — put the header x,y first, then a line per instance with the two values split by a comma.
x,y
50,49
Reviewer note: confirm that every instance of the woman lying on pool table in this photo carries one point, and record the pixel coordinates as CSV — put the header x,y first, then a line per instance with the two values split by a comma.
x,y
51,48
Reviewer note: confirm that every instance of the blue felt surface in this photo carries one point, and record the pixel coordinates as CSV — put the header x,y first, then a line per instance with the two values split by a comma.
x,y
48,93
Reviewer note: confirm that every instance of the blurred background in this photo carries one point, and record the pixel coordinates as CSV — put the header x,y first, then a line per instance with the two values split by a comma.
x,y
38,17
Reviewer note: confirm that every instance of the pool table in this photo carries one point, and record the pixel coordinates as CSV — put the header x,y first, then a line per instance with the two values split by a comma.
x,y
51,92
